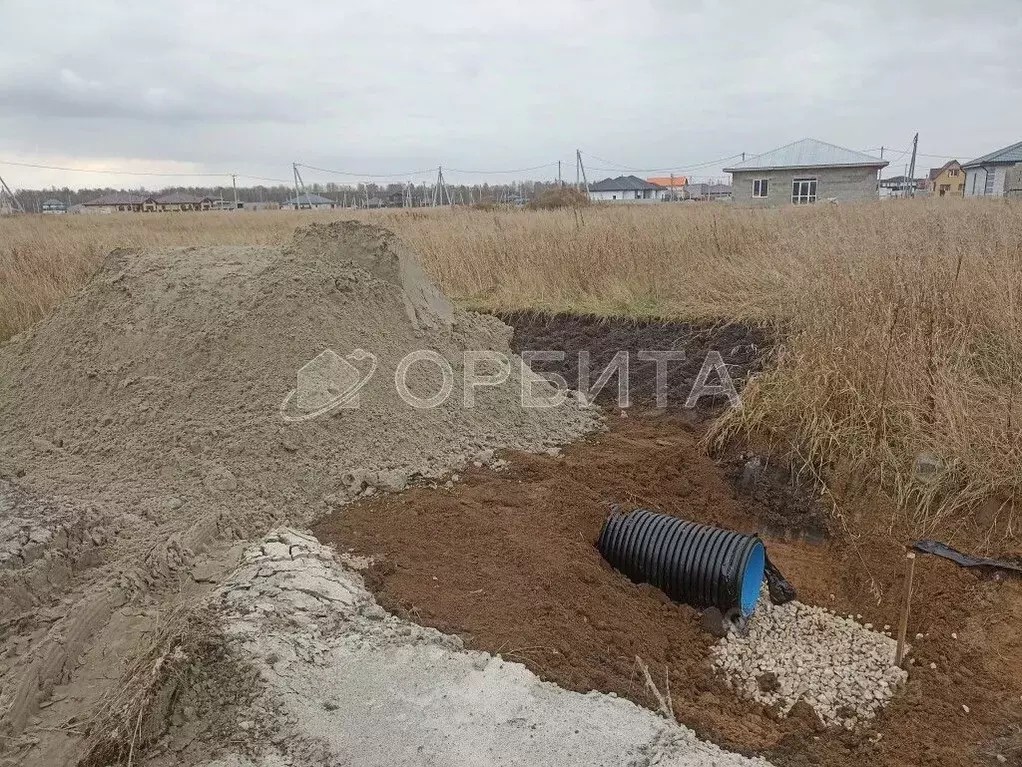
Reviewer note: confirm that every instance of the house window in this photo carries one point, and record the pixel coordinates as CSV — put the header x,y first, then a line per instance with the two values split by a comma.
x,y
944,189
989,188
803,191
759,187
953,172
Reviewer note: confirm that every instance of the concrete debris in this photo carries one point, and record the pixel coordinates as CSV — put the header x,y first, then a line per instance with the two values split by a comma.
x,y
842,670
349,678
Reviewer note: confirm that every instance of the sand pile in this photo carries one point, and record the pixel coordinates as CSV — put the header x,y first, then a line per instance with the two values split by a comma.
x,y
348,683
159,386
178,399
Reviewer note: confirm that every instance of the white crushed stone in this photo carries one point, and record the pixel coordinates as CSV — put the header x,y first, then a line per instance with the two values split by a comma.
x,y
843,670
357,685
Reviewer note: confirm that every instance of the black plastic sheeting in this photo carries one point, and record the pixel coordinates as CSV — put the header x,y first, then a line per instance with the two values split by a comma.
x,y
781,591
965,560
700,565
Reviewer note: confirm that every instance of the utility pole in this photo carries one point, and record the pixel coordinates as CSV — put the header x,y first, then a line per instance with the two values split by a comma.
x,y
912,165
581,167
559,173
15,203
234,183
298,198
441,189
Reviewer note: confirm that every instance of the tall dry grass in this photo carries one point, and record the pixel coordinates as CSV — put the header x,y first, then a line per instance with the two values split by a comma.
x,y
901,320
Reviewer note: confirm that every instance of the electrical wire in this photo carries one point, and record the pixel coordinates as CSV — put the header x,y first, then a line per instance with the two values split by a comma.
x,y
427,172
265,178
110,172
499,172
692,166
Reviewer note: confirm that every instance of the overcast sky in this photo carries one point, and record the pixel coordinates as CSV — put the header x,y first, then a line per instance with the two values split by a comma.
x,y
405,85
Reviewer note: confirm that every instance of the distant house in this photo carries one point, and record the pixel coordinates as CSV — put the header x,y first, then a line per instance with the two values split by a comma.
x,y
704,191
120,202
625,189
987,176
673,186
309,202
53,207
803,172
903,186
180,201
948,180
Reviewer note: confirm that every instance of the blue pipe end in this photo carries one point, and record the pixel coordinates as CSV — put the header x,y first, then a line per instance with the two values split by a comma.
x,y
752,578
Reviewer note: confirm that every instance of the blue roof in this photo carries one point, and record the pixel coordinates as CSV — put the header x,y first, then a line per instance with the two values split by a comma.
x,y
1007,156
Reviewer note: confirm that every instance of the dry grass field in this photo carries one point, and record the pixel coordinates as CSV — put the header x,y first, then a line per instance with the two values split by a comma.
x,y
900,321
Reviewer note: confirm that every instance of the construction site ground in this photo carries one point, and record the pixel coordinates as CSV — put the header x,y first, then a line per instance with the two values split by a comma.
x,y
507,561
160,604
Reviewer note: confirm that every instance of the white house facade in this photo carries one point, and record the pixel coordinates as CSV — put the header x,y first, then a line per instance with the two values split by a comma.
x,y
988,176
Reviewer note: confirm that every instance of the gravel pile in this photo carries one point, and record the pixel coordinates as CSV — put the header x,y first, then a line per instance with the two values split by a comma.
x,y
844,671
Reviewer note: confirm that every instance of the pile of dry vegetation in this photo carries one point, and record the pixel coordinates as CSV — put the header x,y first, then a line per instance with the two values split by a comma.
x,y
901,320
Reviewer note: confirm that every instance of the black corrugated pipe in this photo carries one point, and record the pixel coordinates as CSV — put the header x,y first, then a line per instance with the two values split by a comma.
x,y
700,565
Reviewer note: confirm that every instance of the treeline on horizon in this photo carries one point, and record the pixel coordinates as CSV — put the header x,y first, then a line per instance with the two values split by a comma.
x,y
354,194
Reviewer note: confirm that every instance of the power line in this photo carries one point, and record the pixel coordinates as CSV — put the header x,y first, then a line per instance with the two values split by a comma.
x,y
265,178
903,152
110,172
499,172
428,171
691,166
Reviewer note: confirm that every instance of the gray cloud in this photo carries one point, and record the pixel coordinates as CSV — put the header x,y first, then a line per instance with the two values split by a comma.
x,y
251,86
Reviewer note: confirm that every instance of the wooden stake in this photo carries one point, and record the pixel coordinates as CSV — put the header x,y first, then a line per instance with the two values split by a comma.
x,y
899,656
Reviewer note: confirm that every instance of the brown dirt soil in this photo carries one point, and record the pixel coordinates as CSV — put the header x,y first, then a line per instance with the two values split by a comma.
x,y
741,347
508,561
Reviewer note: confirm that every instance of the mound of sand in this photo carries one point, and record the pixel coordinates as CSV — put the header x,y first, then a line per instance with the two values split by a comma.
x,y
165,403
159,385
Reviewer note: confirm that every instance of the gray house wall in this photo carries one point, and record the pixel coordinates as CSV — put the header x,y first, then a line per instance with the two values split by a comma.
x,y
842,184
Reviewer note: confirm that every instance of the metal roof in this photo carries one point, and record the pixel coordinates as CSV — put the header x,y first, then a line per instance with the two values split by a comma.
x,y
622,184
180,198
1007,156
808,153
120,198
310,199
